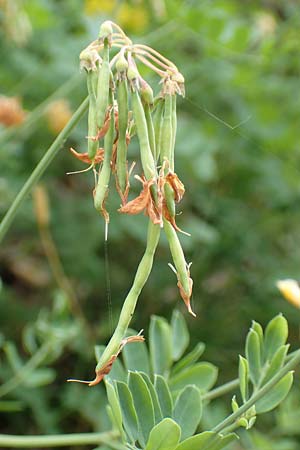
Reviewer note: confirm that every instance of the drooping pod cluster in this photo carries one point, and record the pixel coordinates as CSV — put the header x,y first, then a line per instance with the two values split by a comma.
x,y
122,104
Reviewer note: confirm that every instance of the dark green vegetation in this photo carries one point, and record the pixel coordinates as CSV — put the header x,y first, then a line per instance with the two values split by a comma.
x,y
237,154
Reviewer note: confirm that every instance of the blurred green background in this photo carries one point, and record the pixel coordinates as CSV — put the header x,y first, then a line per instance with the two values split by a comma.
x,y
238,154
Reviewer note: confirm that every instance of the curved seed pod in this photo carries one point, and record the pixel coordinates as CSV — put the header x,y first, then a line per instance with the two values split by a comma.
x,y
128,308
103,86
174,130
150,128
185,283
93,143
157,125
104,176
147,159
166,141
122,99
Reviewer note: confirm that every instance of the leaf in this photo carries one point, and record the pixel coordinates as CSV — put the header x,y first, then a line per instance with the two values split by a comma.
x,y
275,335
258,328
203,375
208,440
157,410
40,377
243,377
135,356
164,395
276,363
164,436
180,335
253,355
160,342
275,395
129,415
115,405
188,410
190,358
143,405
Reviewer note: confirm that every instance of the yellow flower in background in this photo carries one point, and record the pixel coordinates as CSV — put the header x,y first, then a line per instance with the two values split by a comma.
x,y
290,289
58,114
99,6
133,17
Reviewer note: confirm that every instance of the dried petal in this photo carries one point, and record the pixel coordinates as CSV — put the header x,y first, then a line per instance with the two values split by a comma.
x,y
139,203
186,297
177,185
84,156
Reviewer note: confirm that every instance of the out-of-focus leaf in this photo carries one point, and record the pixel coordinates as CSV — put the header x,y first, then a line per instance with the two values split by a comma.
x,y
160,342
180,335
135,355
189,359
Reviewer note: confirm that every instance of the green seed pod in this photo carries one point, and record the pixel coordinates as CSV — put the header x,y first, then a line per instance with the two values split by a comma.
x,y
170,199
147,159
104,176
122,99
142,274
146,92
174,131
121,64
92,115
157,125
166,142
178,257
103,87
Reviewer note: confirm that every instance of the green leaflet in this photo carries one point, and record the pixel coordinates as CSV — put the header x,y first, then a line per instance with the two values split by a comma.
x,y
189,359
129,415
188,411
275,335
164,436
206,441
253,355
275,395
276,363
143,405
164,395
135,355
157,409
180,335
203,375
244,377
160,342
115,405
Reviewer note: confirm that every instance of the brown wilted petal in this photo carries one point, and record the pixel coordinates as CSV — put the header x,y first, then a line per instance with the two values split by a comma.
x,y
177,185
187,297
139,203
171,219
85,158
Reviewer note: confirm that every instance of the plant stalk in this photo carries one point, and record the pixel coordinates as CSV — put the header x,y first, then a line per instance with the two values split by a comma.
x,y
41,167
60,440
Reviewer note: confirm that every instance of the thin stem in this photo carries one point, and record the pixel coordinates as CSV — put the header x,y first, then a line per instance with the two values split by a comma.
x,y
61,440
156,60
41,167
145,61
264,390
24,371
129,305
151,50
221,390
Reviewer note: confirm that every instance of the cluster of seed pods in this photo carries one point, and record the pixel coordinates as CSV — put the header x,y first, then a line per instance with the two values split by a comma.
x,y
122,104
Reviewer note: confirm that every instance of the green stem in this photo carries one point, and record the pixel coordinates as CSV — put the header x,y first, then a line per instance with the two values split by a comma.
x,y
58,440
24,371
40,168
259,394
221,390
128,308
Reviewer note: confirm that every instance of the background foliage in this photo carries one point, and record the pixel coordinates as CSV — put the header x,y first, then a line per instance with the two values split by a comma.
x,y
237,153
